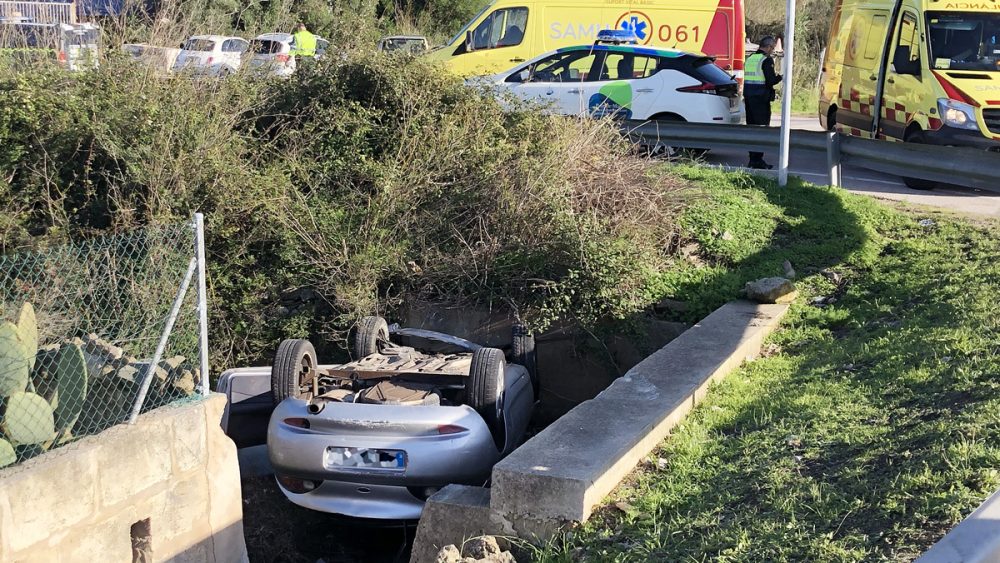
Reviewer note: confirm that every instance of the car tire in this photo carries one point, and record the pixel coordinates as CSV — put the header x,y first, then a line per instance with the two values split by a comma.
x,y
916,183
523,353
293,362
367,336
484,390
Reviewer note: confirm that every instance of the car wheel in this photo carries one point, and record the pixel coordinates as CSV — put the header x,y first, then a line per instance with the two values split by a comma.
x,y
484,390
369,333
523,353
294,367
916,183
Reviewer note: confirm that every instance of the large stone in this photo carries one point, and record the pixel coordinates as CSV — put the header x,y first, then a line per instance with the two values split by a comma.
x,y
481,547
771,290
448,554
451,516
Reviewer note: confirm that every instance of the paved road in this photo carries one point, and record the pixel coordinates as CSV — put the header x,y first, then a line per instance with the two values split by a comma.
x,y
811,166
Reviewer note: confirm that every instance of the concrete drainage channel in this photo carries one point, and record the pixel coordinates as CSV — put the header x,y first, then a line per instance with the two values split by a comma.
x,y
558,475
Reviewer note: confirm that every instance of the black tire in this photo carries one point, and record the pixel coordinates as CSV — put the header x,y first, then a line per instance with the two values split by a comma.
x,y
661,150
293,363
484,390
831,119
369,333
916,183
523,353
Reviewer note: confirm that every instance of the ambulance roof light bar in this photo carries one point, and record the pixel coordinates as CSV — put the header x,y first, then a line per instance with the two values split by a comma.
x,y
616,37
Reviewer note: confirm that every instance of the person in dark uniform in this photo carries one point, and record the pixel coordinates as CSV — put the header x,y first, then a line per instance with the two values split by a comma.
x,y
759,80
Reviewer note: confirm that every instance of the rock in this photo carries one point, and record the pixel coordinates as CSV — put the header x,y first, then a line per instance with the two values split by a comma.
x,y
771,290
448,554
129,373
184,383
172,365
97,346
727,236
482,547
835,277
503,557
789,271
97,365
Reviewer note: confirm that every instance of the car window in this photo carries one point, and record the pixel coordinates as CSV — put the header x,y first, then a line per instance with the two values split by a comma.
x,y
875,33
908,46
573,66
706,70
265,47
234,46
206,45
627,66
502,28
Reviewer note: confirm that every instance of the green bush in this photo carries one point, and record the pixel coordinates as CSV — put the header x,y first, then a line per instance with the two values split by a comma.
x,y
341,192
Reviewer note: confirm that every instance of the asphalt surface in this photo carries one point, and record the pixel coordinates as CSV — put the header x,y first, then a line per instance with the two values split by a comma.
x,y
811,167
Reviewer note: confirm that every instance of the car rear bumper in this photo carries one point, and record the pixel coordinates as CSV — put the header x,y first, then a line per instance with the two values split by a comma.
x,y
432,458
359,500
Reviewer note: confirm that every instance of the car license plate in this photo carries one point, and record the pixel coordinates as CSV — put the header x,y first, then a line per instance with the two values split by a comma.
x,y
336,457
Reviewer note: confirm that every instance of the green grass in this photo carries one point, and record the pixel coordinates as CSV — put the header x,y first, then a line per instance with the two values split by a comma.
x,y
870,425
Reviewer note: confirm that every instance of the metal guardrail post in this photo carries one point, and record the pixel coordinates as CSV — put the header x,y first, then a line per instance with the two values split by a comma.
x,y
199,237
833,158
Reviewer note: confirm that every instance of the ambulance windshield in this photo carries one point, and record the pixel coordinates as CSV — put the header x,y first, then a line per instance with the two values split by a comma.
x,y
964,40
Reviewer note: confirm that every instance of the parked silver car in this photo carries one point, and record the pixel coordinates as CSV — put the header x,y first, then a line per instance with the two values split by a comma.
x,y
417,410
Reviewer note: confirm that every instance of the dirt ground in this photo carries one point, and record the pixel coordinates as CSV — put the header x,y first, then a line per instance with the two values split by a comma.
x,y
278,531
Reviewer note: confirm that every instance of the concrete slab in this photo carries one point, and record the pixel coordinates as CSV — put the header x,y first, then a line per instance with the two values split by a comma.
x,y
453,515
974,540
560,474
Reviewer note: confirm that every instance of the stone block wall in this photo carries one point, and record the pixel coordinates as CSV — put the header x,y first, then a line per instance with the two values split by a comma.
x,y
164,489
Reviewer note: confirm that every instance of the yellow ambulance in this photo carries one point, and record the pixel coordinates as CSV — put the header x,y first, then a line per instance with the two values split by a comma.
x,y
509,32
922,71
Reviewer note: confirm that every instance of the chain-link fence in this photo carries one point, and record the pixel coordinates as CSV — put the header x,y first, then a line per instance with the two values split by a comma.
x,y
96,332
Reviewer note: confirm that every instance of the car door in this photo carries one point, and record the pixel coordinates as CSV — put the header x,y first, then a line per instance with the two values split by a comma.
x,y
903,81
623,86
556,80
499,41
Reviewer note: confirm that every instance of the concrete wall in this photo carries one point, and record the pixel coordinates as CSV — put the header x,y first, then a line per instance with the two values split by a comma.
x,y
169,486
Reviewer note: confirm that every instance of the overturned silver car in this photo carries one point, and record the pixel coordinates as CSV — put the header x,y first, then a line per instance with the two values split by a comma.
x,y
415,411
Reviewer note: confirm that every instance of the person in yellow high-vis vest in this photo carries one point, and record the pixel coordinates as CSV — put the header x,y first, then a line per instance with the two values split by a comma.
x,y
303,43
759,80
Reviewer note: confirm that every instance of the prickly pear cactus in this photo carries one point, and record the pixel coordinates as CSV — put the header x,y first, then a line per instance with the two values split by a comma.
x,y
15,360
70,371
27,328
28,420
7,455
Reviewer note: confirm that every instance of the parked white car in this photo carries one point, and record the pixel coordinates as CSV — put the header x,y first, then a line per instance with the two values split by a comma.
x,y
626,81
212,55
270,54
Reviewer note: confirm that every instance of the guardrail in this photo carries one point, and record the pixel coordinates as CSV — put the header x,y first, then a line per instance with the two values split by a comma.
x,y
962,166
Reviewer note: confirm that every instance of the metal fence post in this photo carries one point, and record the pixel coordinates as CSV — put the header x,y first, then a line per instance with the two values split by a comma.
x,y
199,235
833,157
162,344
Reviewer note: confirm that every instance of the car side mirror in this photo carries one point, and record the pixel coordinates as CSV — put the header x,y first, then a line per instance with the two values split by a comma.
x,y
469,46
